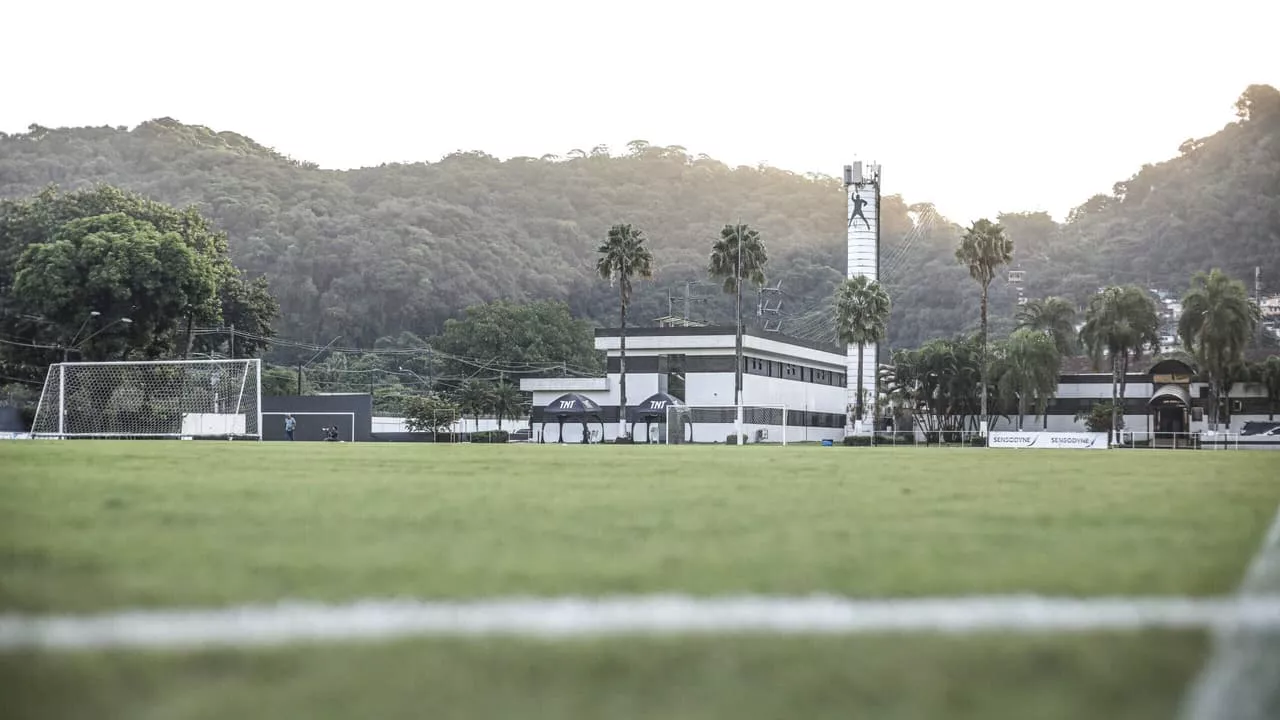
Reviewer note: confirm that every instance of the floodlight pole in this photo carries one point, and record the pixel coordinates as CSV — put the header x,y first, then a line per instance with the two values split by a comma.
x,y
737,359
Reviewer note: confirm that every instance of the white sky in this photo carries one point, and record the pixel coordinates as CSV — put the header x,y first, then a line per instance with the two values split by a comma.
x,y
978,106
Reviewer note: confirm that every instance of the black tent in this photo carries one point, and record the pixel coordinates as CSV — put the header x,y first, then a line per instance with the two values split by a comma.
x,y
575,407
653,409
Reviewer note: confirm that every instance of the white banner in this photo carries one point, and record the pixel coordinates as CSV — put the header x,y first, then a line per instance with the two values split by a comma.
x,y
1048,440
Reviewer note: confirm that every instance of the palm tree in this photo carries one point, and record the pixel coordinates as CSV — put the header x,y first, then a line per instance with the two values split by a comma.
x,y
1029,362
1056,317
507,401
738,256
622,257
983,249
1269,376
1240,371
1218,318
1120,323
475,398
862,314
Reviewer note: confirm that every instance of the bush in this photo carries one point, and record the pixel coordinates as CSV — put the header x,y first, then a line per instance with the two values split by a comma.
x,y
903,438
490,436
1098,417
857,440
733,439
624,440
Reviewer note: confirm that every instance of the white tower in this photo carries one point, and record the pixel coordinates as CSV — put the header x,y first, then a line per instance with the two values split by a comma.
x,y
862,193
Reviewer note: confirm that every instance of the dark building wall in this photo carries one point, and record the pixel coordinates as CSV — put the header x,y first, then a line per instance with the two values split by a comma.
x,y
308,427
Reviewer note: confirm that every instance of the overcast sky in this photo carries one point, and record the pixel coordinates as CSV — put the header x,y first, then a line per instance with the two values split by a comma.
x,y
976,106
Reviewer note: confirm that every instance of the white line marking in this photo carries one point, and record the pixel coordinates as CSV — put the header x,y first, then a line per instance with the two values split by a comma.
x,y
1241,680
654,614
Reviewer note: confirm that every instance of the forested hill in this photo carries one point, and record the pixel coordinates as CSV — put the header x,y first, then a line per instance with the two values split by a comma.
x,y
372,252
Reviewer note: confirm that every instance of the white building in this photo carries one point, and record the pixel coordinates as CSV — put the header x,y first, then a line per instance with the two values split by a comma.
x,y
802,380
1164,400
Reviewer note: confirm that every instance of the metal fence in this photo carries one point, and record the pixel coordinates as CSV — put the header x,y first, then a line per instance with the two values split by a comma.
x,y
1141,439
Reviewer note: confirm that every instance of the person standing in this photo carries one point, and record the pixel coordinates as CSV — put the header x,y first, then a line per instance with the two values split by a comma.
x,y
289,425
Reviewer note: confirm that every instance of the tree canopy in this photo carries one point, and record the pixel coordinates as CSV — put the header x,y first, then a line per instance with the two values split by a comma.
x,y
103,273
403,247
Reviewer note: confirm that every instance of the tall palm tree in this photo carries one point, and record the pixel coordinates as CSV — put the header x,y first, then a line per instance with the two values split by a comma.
x,y
1120,323
1029,362
1056,317
623,256
738,256
862,315
983,249
1269,376
1218,318
475,398
507,401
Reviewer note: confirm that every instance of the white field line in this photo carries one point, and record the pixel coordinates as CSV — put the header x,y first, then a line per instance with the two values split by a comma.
x,y
262,625
1241,680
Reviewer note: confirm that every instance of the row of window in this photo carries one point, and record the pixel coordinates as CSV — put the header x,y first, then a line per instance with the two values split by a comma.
x,y
712,415
792,371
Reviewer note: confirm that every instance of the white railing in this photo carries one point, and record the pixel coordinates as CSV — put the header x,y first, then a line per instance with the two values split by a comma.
x,y
921,438
1199,440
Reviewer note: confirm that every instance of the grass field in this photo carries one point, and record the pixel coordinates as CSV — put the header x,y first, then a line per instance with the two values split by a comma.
x,y
96,526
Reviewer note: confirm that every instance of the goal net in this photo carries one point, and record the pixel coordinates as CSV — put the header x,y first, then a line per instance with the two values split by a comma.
x,y
158,399
717,423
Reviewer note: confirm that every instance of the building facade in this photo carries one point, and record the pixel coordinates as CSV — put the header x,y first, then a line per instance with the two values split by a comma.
x,y
1168,400
696,365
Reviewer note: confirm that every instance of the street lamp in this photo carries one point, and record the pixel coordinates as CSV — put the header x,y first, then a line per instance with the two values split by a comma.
x,y
92,314
421,379
96,333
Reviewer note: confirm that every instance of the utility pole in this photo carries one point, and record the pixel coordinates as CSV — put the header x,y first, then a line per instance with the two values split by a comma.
x,y
231,343
737,359
1257,299
770,312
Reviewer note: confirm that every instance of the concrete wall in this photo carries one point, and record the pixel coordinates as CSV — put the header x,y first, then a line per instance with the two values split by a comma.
x,y
308,427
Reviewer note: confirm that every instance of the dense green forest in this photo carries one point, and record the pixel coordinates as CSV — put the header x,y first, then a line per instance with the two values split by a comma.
x,y
376,252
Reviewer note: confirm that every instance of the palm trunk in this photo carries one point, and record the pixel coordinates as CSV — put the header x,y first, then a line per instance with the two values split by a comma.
x,y
983,351
622,364
1022,409
737,369
1124,379
857,406
1115,430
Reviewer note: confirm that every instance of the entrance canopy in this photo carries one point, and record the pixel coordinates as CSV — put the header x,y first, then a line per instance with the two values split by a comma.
x,y
1170,396
572,405
654,408
574,408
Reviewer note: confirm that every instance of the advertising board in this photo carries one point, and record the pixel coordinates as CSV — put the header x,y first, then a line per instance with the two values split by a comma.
x,y
1048,440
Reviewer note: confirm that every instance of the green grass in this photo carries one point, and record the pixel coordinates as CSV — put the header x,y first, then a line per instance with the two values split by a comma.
x,y
92,526
1118,677
87,526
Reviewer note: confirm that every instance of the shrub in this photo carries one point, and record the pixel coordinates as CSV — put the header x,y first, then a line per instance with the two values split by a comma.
x,y
857,440
490,436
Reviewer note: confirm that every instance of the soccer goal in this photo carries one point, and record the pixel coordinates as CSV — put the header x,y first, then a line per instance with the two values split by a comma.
x,y
716,423
155,399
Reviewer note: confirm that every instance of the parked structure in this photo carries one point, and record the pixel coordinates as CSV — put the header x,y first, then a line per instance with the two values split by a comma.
x,y
695,366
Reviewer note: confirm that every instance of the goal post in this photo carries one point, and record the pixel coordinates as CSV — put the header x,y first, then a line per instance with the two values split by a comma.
x,y
717,423
151,399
